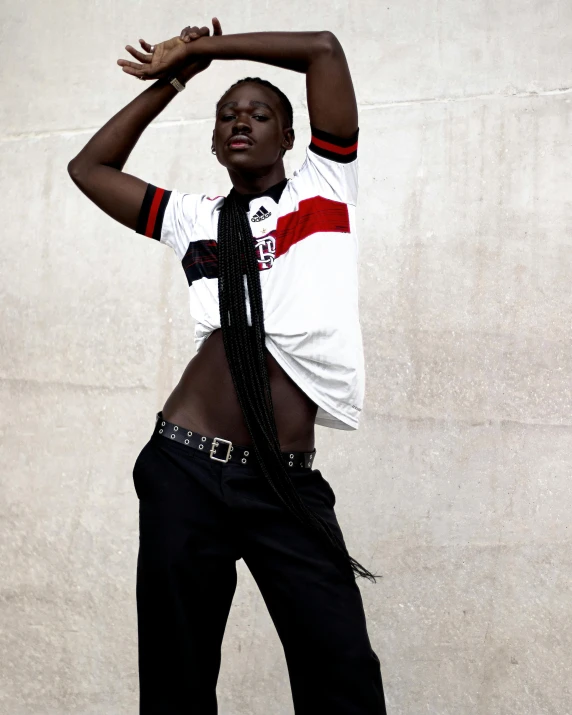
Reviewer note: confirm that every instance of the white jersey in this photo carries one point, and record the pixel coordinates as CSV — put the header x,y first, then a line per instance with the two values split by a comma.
x,y
304,229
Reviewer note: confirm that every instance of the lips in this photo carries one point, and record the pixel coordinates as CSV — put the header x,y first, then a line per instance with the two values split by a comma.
x,y
239,141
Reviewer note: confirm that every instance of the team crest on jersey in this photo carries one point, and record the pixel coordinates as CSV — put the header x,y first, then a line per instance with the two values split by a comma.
x,y
265,250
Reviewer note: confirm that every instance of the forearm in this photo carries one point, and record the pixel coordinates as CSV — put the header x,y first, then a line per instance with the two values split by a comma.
x,y
114,142
289,50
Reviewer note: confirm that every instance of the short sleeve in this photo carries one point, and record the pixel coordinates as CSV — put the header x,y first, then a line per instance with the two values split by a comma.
x,y
168,217
331,166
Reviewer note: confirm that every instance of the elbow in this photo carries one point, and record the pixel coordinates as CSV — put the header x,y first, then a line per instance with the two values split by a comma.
x,y
73,169
76,171
328,42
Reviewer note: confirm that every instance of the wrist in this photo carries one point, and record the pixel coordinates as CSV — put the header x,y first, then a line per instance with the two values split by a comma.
x,y
184,74
165,82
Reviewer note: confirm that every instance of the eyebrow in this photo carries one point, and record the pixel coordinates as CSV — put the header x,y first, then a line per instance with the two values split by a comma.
x,y
253,103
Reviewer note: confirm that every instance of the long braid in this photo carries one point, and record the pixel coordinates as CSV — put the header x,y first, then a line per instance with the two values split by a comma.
x,y
245,351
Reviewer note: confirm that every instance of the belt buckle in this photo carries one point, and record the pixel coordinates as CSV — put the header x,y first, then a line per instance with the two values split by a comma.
x,y
215,444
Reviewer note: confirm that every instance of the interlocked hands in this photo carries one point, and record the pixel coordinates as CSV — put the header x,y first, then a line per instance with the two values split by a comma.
x,y
167,57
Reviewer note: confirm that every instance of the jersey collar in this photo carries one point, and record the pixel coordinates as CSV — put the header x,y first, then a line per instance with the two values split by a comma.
x,y
275,192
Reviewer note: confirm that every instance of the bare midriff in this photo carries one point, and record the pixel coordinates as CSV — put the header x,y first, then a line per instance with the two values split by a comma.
x,y
206,402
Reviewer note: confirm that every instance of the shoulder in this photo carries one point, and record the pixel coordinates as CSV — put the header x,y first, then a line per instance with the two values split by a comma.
x,y
330,168
191,207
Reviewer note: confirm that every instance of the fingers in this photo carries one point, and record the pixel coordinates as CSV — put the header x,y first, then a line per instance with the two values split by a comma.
x,y
146,46
134,69
139,55
133,72
188,34
192,33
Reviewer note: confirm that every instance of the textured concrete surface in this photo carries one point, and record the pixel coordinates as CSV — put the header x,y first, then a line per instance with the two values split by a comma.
x,y
457,486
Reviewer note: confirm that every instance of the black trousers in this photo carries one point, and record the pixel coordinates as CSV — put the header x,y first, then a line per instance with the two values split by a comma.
x,y
197,517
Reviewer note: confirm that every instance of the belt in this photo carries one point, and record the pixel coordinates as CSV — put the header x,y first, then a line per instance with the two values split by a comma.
x,y
223,450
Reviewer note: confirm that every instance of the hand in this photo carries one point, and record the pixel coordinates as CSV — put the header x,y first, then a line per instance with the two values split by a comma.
x,y
188,34
165,58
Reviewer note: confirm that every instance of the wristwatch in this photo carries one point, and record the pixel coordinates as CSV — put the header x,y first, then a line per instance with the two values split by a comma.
x,y
177,84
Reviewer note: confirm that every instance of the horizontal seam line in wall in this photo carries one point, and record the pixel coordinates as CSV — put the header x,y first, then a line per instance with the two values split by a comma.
x,y
365,107
34,382
494,422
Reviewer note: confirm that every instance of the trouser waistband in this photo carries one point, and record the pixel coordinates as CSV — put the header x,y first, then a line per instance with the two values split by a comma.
x,y
223,450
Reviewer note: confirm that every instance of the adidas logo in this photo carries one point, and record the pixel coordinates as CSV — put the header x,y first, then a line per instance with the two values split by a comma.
x,y
261,214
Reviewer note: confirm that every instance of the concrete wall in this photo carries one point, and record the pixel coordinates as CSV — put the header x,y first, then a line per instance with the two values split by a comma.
x,y
457,486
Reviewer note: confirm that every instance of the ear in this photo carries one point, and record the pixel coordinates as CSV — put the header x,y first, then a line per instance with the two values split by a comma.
x,y
288,139
212,144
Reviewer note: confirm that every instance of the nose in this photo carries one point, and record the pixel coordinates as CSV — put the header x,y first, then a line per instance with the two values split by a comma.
x,y
241,127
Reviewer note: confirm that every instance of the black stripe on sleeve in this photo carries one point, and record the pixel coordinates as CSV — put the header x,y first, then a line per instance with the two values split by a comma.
x,y
145,208
335,152
160,215
150,219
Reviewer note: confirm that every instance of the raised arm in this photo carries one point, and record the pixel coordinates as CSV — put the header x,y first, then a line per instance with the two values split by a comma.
x,y
98,168
331,98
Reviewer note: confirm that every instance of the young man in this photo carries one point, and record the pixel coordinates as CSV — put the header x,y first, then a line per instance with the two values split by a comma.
x,y
227,472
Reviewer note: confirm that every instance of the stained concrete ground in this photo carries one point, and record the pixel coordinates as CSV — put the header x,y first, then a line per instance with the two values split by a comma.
x,y
457,486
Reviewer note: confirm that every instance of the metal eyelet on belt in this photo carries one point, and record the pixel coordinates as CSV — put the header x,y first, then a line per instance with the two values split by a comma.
x,y
200,446
160,431
175,428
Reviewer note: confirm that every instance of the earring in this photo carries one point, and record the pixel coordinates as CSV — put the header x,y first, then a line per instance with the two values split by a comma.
x,y
213,150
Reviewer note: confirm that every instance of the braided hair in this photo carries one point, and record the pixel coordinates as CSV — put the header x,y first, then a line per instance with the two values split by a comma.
x,y
245,351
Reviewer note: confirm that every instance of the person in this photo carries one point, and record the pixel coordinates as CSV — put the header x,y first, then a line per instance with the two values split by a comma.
x,y
227,472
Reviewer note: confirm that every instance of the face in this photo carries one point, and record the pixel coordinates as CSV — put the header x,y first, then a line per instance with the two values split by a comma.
x,y
251,129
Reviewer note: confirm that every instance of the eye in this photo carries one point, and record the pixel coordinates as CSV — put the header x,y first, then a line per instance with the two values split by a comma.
x,y
227,116
260,116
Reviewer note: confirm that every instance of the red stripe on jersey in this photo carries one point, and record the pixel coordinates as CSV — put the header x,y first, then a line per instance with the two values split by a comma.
x,y
313,215
153,212
333,147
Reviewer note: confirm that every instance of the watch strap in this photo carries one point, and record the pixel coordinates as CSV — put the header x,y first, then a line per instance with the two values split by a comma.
x,y
177,84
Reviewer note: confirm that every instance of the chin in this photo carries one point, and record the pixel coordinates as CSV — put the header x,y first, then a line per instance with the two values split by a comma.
x,y
240,159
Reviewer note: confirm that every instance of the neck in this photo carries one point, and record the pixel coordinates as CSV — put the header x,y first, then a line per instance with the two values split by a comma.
x,y
250,183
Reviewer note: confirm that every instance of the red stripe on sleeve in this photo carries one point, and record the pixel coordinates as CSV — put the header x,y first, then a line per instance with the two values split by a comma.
x,y
332,147
153,212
